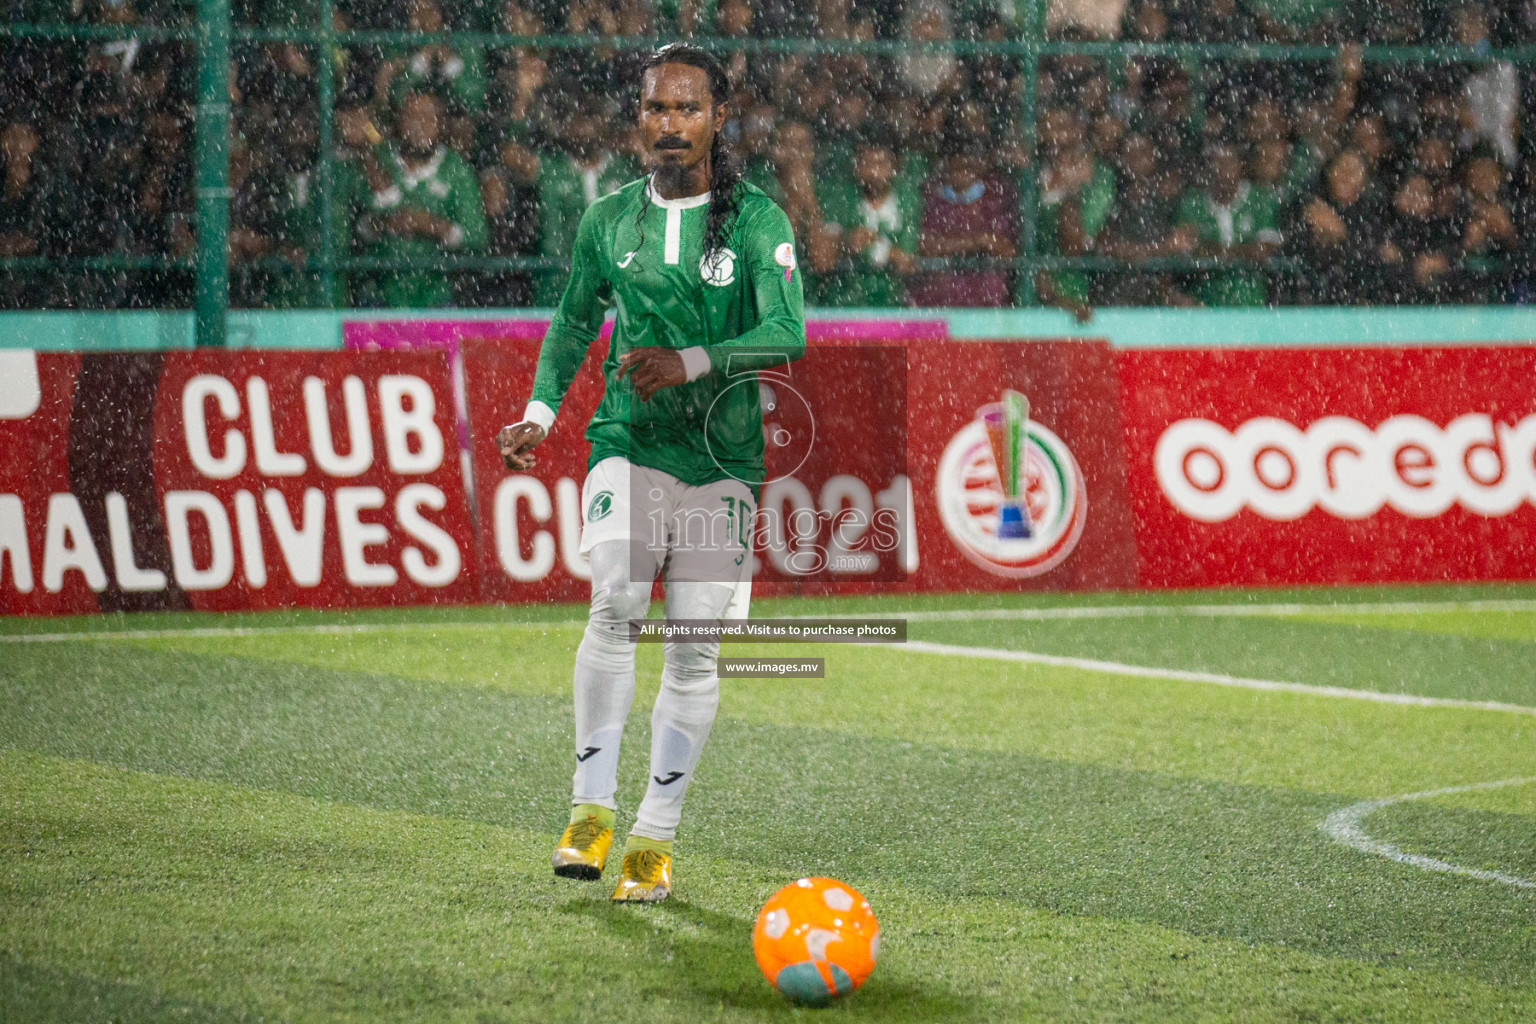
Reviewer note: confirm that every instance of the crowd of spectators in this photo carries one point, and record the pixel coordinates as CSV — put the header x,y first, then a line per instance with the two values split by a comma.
x,y
1217,180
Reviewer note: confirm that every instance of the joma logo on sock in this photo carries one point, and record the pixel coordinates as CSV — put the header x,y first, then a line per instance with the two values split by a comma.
x,y
671,778
587,753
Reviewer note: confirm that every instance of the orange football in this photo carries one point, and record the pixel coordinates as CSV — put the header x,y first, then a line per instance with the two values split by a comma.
x,y
816,939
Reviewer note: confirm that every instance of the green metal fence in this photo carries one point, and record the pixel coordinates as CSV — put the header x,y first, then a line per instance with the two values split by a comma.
x,y
214,33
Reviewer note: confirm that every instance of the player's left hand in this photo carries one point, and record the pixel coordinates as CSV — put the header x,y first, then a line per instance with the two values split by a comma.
x,y
652,368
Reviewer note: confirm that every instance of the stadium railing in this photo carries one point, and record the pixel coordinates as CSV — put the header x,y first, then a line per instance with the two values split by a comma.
x,y
213,33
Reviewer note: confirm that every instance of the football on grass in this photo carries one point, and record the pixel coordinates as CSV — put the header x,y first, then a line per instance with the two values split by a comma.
x,y
816,939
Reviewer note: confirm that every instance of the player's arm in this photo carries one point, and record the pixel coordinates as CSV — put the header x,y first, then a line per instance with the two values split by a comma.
x,y
573,329
779,295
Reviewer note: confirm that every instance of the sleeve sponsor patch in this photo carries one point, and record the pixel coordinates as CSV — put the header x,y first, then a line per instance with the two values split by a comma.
x,y
784,255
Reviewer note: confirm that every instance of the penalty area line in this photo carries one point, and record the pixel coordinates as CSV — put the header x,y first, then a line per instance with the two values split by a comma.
x,y
1346,826
1211,678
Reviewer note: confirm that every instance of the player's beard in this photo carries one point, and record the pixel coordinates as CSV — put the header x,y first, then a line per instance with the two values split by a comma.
x,y
672,178
669,177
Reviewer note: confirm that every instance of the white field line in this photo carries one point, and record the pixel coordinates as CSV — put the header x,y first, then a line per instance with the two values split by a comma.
x,y
1135,611
317,629
982,614
1345,826
1214,678
991,653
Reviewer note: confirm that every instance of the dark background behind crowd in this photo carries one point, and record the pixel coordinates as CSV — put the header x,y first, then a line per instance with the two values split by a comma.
x,y
1160,180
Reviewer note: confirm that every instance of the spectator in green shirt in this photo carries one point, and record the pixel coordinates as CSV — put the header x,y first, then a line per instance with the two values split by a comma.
x,y
425,205
1236,222
794,163
291,216
845,121
1077,196
755,148
571,179
875,215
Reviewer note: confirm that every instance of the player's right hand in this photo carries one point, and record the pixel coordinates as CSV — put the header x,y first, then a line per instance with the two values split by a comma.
x,y
515,441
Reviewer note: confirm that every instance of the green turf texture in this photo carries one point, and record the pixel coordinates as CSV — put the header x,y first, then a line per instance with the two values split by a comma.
x,y
343,826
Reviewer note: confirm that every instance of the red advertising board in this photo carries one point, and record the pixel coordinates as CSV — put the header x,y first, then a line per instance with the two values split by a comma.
x,y
229,481
1346,465
256,480
896,428
529,523
1081,535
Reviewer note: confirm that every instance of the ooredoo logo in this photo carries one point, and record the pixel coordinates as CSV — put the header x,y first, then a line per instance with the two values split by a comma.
x,y
1346,468
970,497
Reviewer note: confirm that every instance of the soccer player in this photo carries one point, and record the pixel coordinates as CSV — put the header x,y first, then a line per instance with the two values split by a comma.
x,y
701,270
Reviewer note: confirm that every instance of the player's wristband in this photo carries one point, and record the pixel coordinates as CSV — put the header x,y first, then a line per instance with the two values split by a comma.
x,y
695,361
538,412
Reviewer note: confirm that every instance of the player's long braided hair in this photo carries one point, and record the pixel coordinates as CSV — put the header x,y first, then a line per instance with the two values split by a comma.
x,y
724,174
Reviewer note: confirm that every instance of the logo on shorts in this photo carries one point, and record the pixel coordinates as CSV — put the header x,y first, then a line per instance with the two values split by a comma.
x,y
600,506
718,268
970,497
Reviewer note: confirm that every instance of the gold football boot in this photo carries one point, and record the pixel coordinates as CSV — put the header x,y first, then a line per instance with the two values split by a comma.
x,y
646,878
583,848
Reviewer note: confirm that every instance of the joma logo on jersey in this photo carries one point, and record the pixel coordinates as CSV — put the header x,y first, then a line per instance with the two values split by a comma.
x,y
718,268
601,505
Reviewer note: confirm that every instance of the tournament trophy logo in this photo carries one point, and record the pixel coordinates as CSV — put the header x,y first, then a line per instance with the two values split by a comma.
x,y
1010,494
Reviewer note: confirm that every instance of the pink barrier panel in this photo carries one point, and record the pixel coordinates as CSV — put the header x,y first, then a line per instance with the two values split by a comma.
x,y
375,335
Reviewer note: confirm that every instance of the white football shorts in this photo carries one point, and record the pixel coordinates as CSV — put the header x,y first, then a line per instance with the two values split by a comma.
x,y
697,533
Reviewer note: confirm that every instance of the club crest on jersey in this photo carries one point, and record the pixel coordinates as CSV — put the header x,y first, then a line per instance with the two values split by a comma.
x,y
718,268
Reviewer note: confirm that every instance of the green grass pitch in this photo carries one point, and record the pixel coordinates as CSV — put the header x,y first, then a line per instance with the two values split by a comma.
x,y
309,817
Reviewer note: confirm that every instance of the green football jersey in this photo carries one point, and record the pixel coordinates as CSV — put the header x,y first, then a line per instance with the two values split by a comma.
x,y
644,255
445,186
1252,216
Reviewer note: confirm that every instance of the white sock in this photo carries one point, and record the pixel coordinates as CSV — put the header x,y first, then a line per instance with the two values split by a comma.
x,y
684,712
605,673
